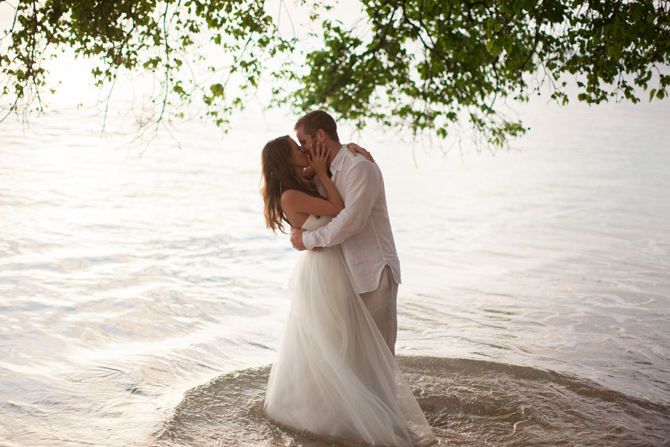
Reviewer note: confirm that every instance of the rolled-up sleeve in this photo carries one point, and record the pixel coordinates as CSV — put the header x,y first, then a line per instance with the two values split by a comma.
x,y
363,183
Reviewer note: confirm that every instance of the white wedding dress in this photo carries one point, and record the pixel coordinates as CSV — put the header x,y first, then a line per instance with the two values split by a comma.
x,y
334,374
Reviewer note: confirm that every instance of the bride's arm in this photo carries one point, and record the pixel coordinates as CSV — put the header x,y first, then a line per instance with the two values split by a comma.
x,y
309,173
294,201
318,162
356,149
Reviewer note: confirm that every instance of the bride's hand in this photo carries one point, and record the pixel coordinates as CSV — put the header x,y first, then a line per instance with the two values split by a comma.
x,y
318,159
356,149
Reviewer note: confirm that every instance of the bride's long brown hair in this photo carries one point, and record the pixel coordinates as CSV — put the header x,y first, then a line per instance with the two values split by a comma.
x,y
279,175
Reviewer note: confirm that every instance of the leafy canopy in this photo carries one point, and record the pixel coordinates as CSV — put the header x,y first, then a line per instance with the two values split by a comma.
x,y
425,65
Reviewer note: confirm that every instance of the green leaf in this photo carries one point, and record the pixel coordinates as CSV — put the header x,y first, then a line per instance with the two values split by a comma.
x,y
216,89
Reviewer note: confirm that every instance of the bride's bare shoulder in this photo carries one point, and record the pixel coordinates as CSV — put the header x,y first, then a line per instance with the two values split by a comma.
x,y
291,195
291,198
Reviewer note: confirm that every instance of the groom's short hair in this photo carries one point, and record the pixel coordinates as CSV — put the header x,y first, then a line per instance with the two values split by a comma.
x,y
318,119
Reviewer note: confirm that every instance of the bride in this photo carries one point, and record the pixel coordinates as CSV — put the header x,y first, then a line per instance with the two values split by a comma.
x,y
334,374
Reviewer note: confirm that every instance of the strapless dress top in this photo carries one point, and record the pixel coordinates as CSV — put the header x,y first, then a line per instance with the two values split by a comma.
x,y
313,222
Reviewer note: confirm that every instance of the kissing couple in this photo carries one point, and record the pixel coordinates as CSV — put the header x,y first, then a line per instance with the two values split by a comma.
x,y
335,373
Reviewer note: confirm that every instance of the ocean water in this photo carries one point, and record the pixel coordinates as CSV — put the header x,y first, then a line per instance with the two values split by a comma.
x,y
141,297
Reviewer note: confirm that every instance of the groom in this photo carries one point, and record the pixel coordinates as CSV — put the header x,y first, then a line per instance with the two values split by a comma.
x,y
363,227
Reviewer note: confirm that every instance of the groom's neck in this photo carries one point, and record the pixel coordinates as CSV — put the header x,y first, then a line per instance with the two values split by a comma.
x,y
334,147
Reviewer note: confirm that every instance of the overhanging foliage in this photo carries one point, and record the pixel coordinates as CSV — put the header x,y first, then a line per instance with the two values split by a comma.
x,y
421,64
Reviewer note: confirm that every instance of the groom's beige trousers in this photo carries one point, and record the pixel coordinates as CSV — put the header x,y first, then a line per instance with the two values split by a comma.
x,y
382,305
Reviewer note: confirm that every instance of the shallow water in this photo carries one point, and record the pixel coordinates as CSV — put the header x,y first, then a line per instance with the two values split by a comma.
x,y
468,402
142,298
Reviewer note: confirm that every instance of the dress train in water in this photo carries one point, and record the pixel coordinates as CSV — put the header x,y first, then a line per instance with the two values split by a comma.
x,y
334,374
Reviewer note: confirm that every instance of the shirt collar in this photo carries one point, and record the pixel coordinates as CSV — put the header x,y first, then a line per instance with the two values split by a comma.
x,y
338,161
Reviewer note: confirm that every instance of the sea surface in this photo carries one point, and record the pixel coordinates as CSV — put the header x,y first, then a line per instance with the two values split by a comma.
x,y
142,298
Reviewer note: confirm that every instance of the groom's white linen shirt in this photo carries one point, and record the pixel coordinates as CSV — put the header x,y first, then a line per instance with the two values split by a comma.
x,y
362,227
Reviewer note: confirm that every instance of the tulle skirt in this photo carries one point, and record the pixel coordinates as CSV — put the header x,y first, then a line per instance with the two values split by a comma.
x,y
334,374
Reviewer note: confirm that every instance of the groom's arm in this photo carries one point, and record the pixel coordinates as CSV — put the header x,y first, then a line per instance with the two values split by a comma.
x,y
362,183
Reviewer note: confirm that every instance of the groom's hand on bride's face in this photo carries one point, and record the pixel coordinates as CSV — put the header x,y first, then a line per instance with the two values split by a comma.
x,y
296,239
